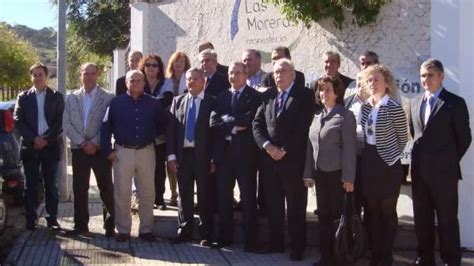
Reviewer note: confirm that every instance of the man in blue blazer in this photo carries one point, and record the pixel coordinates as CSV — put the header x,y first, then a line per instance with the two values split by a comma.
x,y
38,118
439,125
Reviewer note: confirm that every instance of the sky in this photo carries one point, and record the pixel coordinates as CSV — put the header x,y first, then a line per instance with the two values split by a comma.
x,y
35,14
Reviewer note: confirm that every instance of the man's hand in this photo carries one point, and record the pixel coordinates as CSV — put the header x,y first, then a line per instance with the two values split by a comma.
x,y
275,152
113,156
40,143
348,186
173,165
89,147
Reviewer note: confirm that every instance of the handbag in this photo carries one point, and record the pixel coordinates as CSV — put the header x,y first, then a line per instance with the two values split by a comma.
x,y
349,238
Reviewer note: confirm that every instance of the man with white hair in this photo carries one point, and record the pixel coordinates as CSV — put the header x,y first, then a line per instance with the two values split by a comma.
x,y
134,119
281,128
215,82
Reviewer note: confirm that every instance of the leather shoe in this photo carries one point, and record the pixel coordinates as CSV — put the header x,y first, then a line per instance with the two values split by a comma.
x,y
109,232
205,243
147,237
53,224
220,244
272,249
77,232
296,256
122,237
31,225
423,261
181,239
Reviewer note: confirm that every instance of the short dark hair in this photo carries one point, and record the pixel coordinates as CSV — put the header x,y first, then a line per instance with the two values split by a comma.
x,y
205,45
371,54
336,85
39,65
255,52
433,63
285,50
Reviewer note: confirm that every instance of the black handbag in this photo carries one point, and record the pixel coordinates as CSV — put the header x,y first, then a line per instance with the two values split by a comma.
x,y
349,237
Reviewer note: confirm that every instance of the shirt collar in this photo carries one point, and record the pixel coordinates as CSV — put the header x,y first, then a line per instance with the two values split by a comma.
x,y
258,74
200,95
39,91
287,90
240,90
92,93
382,101
435,93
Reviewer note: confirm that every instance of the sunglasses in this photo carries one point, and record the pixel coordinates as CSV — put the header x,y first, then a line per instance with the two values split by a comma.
x,y
151,65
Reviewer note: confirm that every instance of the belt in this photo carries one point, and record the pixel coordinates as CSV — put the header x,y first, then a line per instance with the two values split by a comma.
x,y
135,147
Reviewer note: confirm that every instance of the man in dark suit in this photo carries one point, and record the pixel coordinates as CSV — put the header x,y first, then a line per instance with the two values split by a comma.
x,y
215,81
332,63
189,148
281,128
439,125
235,155
38,118
278,53
133,60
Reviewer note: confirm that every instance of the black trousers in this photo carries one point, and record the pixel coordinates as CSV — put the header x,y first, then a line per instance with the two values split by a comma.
x,y
191,169
283,182
240,167
82,164
160,173
39,165
330,201
441,196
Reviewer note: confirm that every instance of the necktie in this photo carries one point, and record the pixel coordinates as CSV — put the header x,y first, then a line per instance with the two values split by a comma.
x,y
428,108
235,100
280,102
191,121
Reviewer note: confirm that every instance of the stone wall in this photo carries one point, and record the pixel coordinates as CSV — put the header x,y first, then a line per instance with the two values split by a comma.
x,y
401,34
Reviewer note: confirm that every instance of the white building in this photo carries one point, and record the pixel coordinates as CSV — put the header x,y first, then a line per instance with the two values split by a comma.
x,y
406,33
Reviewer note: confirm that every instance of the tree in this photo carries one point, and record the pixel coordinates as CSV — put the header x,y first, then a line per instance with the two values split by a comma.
x,y
308,11
103,24
16,57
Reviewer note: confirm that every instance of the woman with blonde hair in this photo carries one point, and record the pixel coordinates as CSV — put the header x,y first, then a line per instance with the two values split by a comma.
x,y
175,70
384,126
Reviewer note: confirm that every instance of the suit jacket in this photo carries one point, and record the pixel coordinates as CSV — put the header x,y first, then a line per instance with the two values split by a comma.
x,y
26,122
223,70
120,86
332,144
216,84
269,81
439,147
74,113
242,141
203,135
290,129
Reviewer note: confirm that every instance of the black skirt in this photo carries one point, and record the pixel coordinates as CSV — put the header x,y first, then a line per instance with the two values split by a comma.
x,y
379,180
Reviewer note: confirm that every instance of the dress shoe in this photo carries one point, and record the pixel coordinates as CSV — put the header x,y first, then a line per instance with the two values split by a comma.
x,y
147,237
296,256
76,232
252,248
122,237
272,249
205,243
173,202
53,224
31,225
181,239
109,232
423,261
221,244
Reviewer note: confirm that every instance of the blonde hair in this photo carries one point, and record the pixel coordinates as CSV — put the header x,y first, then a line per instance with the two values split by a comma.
x,y
392,89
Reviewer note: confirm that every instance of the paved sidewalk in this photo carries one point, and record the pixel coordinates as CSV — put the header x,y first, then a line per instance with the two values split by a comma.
x,y
43,247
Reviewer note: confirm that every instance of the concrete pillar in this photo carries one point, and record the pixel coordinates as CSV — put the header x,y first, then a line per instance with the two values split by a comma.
x,y
452,40
139,35
119,66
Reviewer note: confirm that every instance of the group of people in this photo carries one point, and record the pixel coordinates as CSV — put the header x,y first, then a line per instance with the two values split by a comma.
x,y
214,125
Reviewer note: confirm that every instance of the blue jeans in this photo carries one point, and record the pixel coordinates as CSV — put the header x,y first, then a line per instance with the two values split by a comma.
x,y
40,166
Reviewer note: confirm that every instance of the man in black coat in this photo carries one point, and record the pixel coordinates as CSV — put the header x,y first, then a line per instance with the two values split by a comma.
x,y
215,81
281,128
133,59
38,118
235,155
278,53
439,125
189,149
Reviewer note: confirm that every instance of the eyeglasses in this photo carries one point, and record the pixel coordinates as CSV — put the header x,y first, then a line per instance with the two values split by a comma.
x,y
370,125
151,65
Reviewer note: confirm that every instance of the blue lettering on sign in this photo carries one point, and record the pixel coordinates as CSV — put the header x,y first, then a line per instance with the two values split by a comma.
x,y
234,20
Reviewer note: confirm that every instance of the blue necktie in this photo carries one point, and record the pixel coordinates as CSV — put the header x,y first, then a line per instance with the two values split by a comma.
x,y
235,100
191,121
280,102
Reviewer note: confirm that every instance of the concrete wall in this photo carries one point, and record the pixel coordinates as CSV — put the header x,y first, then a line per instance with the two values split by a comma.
x,y
401,35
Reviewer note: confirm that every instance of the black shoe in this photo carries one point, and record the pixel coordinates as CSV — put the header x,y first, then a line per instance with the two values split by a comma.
x,y
296,256
163,207
77,232
423,261
174,201
205,243
31,226
147,237
272,249
122,237
53,224
181,239
316,212
109,232
253,248
220,244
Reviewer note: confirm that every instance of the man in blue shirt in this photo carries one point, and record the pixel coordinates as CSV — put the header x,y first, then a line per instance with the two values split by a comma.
x,y
134,119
